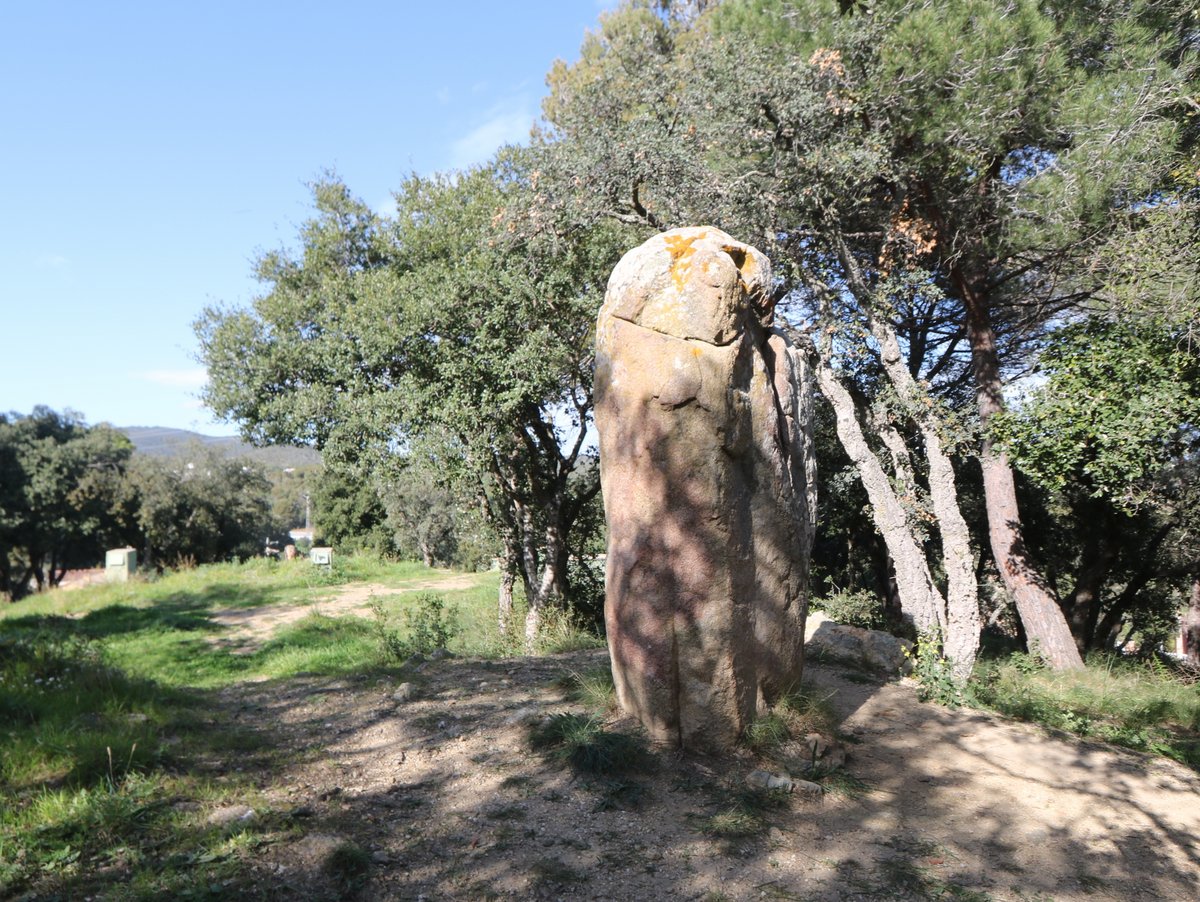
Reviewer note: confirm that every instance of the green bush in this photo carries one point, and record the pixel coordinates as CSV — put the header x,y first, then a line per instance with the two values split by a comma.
x,y
429,624
860,608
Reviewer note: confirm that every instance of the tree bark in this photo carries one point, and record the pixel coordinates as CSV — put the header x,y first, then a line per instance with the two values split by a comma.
x,y
962,626
959,616
1083,611
1191,624
1044,621
919,597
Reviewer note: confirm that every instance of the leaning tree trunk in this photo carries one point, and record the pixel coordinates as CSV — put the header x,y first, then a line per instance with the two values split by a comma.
x,y
1044,622
962,622
959,618
919,597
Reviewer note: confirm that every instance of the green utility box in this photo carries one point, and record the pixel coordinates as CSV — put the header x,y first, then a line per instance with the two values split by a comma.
x,y
120,564
322,557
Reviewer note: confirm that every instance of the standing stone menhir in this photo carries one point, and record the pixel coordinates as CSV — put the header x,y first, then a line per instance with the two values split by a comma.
x,y
707,487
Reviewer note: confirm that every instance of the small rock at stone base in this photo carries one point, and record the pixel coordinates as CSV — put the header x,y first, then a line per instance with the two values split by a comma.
x,y
403,693
231,814
522,715
764,780
808,788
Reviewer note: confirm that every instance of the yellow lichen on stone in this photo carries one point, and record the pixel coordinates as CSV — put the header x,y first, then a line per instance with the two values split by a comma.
x,y
681,250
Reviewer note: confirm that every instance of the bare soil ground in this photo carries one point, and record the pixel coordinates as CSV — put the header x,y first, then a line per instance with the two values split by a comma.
x,y
444,794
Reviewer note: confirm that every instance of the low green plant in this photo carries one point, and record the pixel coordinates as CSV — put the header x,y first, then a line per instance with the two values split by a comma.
x,y
1126,702
861,608
743,812
933,672
562,630
794,715
581,741
349,864
767,733
431,623
594,689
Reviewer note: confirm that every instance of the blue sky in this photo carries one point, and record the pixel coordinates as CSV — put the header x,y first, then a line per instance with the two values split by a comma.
x,y
150,150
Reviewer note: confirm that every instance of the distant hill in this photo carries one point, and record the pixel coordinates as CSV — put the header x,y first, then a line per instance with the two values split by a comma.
x,y
159,441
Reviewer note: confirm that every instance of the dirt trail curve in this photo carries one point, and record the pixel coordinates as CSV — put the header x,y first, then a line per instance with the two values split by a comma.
x,y
248,627
443,792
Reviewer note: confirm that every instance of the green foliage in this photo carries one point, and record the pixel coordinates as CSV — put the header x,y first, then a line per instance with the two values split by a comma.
x,y
349,864
200,507
464,322
1120,401
594,689
348,513
793,716
1129,703
743,812
933,672
62,496
430,623
860,608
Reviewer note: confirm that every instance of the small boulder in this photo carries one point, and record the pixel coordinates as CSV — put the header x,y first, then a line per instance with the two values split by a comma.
x,y
231,814
871,649
761,779
809,789
404,692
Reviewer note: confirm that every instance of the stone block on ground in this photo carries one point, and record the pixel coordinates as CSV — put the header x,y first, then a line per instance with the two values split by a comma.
x,y
873,650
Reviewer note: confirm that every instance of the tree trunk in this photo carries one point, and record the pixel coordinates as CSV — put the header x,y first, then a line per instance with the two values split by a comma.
x,y
1043,619
505,600
508,574
1083,611
962,625
919,598
1191,625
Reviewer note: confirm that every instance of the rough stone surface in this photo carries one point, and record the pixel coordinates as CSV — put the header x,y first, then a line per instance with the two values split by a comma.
x,y
761,779
404,692
231,814
705,488
875,650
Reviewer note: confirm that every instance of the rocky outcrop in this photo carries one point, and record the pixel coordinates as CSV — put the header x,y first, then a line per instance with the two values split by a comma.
x,y
870,649
708,487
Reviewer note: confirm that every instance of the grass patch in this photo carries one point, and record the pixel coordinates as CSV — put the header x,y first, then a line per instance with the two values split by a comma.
x,y
582,742
743,812
114,744
348,864
793,716
593,689
553,872
1137,705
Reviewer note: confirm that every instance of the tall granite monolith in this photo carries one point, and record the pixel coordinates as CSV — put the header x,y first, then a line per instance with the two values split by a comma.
x,y
708,487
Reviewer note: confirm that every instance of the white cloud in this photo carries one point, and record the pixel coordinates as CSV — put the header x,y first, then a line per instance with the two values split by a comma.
x,y
51,261
506,123
442,95
193,378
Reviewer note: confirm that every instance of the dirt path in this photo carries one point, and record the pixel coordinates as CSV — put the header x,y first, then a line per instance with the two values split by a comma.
x,y
444,793
247,628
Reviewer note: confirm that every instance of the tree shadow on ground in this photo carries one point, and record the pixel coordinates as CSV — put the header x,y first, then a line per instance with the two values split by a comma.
x,y
447,796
